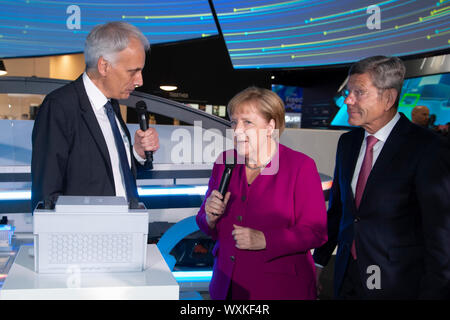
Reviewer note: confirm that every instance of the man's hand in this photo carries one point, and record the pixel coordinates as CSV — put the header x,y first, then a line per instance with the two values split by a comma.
x,y
319,286
147,140
248,239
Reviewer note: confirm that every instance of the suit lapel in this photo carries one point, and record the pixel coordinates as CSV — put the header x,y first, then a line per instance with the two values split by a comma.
x,y
352,155
91,122
393,145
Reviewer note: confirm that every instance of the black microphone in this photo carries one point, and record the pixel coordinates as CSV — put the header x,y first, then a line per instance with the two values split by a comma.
x,y
141,109
226,177
230,162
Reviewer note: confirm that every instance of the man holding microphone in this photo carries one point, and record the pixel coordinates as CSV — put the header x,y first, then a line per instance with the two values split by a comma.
x,y
81,144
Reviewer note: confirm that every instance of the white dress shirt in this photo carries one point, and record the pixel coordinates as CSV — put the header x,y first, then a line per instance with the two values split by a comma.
x,y
98,101
382,136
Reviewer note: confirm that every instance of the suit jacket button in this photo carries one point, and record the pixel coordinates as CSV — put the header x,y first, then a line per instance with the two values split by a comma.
x,y
239,218
357,219
243,198
232,258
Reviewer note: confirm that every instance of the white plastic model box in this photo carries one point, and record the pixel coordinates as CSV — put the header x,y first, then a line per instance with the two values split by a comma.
x,y
90,234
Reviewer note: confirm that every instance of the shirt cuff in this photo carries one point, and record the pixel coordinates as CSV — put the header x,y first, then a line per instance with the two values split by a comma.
x,y
319,265
138,157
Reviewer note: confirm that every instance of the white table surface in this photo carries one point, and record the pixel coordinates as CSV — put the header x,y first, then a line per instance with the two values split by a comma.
x,y
155,282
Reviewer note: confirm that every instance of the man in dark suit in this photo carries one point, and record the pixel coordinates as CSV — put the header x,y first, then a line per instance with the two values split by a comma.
x,y
389,209
81,145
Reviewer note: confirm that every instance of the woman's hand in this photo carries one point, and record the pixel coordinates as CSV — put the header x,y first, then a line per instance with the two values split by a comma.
x,y
215,206
248,239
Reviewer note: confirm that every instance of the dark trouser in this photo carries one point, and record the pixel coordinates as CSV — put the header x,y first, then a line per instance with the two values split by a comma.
x,y
352,286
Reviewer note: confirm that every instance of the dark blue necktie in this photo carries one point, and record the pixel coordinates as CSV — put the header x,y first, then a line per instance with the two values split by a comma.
x,y
130,182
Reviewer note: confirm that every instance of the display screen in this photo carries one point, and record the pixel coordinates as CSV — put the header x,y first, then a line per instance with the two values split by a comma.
x,y
293,100
291,96
33,28
432,91
282,34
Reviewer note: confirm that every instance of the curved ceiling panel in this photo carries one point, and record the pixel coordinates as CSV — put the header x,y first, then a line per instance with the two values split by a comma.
x,y
34,27
299,33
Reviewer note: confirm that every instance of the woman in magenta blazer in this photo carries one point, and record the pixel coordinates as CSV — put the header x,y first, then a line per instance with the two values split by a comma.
x,y
273,213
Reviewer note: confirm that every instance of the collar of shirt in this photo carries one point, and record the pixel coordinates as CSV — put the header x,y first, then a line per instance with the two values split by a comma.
x,y
96,97
384,132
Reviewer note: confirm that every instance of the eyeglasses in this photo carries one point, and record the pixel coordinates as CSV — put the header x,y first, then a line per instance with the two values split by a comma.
x,y
358,93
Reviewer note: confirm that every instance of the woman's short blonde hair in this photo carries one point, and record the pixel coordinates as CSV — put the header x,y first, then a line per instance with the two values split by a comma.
x,y
266,102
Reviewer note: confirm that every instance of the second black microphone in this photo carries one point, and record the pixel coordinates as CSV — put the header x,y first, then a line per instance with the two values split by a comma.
x,y
141,109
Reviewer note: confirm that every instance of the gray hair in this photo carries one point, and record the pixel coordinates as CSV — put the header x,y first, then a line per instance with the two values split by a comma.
x,y
106,40
385,72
